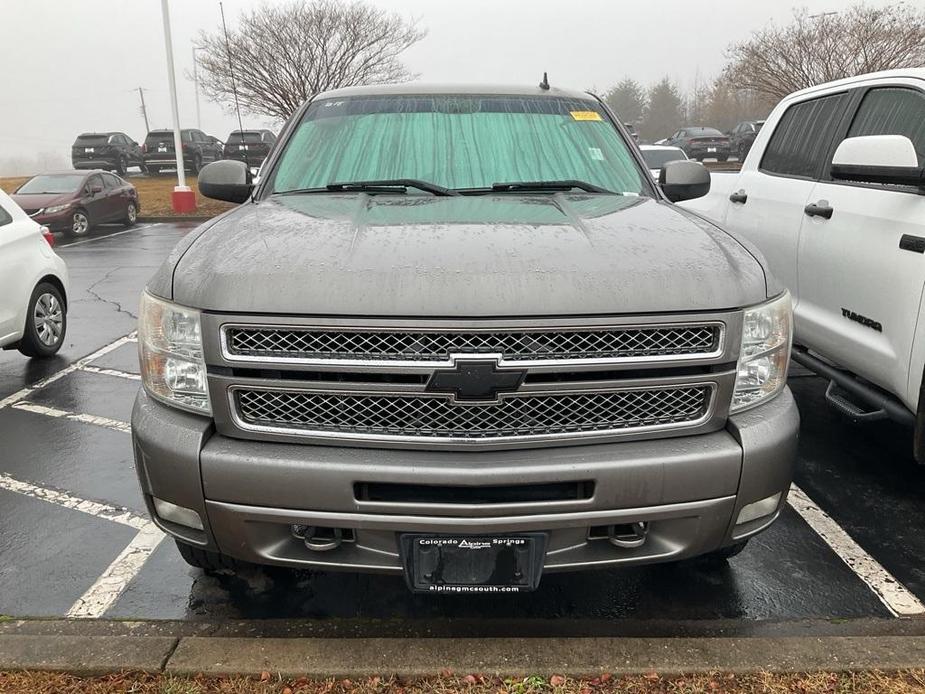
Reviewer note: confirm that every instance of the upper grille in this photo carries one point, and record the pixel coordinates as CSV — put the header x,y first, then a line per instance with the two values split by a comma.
x,y
376,415
436,346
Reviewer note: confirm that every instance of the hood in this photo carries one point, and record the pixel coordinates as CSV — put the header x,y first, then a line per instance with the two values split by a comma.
x,y
479,256
37,201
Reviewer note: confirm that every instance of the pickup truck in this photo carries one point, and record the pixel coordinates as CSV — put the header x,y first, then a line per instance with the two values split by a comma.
x,y
833,195
461,335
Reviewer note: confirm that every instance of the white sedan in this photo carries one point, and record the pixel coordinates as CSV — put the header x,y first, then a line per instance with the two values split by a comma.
x,y
33,285
656,156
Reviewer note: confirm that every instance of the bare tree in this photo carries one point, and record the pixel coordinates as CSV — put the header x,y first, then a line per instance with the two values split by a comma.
x,y
284,54
778,60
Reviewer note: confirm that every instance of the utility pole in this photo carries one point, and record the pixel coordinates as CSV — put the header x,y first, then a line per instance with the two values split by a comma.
x,y
196,86
183,198
144,111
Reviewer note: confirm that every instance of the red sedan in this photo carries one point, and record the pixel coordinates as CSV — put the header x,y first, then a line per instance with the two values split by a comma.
x,y
76,201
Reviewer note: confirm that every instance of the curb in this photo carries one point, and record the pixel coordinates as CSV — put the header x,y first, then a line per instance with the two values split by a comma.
x,y
189,649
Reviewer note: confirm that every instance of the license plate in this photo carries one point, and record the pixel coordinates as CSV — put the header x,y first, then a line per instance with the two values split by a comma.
x,y
711,149
162,148
89,150
473,564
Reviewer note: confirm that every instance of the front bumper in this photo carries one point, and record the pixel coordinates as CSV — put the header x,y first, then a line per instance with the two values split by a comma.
x,y
248,494
60,221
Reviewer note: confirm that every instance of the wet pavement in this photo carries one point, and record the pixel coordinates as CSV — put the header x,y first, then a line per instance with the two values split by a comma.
x,y
65,443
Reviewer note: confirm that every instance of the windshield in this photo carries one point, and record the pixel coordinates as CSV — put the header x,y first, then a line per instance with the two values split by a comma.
x,y
250,138
67,183
159,136
657,158
459,142
699,132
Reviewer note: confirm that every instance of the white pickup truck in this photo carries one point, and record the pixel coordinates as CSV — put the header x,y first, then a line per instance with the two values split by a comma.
x,y
833,195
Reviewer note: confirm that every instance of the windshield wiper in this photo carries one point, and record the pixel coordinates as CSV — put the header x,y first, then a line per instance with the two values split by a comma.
x,y
537,186
398,185
526,186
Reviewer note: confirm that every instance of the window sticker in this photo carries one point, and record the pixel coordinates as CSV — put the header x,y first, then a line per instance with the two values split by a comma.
x,y
586,115
596,153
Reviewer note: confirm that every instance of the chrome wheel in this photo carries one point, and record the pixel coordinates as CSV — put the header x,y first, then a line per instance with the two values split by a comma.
x,y
131,213
48,319
80,223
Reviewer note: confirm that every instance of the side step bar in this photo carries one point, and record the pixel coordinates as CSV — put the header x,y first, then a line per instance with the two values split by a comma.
x,y
876,399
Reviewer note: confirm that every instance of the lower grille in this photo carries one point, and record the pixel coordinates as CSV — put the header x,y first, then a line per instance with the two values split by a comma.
x,y
374,415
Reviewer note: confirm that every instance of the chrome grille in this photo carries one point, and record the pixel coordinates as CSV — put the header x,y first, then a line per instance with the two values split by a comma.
x,y
260,342
375,415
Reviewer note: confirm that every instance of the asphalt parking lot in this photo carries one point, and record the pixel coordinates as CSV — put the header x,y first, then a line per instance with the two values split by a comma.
x,y
75,540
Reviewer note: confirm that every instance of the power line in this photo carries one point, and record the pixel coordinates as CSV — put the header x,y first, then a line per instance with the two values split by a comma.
x,y
234,88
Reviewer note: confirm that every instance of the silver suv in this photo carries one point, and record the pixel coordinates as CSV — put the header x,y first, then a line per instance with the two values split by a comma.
x,y
461,335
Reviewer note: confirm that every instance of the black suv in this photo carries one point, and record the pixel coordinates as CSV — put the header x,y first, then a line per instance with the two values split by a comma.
x,y
198,149
249,146
743,137
112,151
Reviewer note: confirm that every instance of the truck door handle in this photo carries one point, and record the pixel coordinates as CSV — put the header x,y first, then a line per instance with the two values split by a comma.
x,y
820,209
739,197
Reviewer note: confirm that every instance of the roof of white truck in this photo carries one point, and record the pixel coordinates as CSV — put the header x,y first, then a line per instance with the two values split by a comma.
x,y
907,73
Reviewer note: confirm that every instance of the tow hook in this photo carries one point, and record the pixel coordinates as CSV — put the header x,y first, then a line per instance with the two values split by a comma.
x,y
319,539
628,536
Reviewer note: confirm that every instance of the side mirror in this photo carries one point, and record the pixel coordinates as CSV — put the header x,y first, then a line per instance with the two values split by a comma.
x,y
226,180
684,180
888,159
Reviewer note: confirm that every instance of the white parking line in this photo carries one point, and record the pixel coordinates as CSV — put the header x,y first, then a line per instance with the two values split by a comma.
x,y
71,368
111,372
115,424
115,579
117,514
112,583
109,236
898,599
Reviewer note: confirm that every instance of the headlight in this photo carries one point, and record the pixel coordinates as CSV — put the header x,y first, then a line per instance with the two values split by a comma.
x,y
56,209
765,353
170,348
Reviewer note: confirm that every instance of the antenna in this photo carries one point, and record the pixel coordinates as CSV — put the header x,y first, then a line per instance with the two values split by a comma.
x,y
544,85
234,88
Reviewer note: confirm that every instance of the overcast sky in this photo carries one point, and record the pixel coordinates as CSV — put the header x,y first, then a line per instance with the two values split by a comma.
x,y
75,65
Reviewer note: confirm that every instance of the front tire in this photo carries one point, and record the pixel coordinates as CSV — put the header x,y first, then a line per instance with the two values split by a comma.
x,y
203,559
196,166
80,223
153,170
122,166
722,555
46,322
131,215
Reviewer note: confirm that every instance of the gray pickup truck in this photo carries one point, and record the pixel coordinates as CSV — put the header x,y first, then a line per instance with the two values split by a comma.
x,y
461,335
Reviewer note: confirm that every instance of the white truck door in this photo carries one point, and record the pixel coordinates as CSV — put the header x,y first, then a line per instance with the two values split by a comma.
x,y
767,205
862,270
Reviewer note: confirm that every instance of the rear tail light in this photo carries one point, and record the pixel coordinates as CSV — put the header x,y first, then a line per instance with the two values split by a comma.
x,y
49,237
144,148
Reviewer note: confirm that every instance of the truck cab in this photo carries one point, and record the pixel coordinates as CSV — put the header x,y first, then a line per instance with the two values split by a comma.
x,y
832,195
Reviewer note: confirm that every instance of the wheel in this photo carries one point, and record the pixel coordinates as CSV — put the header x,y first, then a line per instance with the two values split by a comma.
x,y
46,322
153,170
722,158
131,214
80,222
207,561
196,166
121,166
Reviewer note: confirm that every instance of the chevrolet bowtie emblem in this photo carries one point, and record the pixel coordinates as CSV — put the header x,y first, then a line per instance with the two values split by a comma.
x,y
475,380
